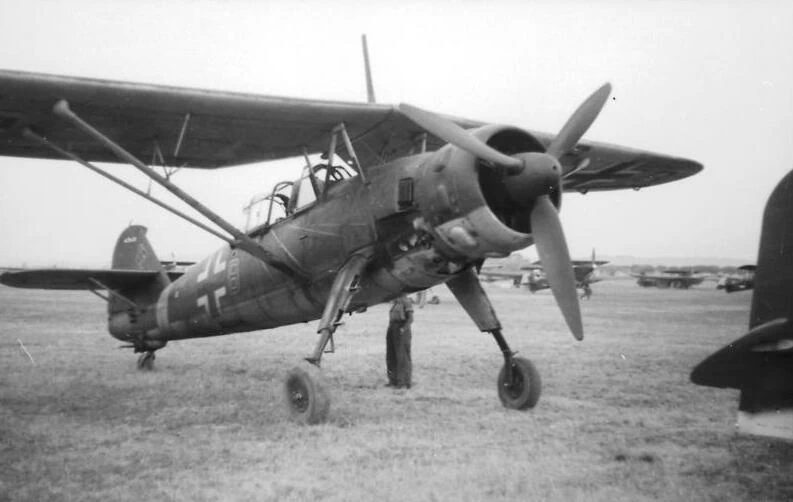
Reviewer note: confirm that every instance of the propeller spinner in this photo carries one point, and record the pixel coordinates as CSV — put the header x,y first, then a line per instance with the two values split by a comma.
x,y
542,172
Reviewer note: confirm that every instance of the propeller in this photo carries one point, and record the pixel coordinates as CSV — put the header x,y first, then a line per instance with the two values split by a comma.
x,y
555,257
579,122
450,132
531,168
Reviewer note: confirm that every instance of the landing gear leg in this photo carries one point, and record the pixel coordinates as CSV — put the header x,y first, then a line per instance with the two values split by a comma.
x,y
146,361
306,398
519,383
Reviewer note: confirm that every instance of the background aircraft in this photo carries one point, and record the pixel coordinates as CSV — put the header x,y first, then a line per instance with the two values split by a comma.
x,y
584,271
670,278
760,364
510,271
403,199
741,281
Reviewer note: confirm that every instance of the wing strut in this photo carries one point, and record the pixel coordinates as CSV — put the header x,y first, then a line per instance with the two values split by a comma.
x,y
32,136
110,292
340,129
241,240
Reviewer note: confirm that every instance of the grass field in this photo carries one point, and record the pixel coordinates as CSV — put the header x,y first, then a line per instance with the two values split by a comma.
x,y
618,419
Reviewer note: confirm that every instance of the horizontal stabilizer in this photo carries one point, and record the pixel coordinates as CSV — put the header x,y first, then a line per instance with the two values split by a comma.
x,y
739,362
760,364
81,279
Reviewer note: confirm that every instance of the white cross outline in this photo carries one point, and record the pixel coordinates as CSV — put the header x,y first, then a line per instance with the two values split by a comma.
x,y
204,273
219,266
204,301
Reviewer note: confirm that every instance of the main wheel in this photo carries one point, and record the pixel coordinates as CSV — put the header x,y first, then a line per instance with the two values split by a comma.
x,y
306,398
524,390
146,361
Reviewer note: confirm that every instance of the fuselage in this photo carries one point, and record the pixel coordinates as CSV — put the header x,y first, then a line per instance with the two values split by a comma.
x,y
231,291
418,221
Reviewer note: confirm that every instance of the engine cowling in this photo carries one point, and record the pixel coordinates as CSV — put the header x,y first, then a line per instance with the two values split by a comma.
x,y
475,211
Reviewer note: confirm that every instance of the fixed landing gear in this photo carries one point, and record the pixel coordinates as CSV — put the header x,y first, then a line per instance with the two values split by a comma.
x,y
306,398
146,361
519,383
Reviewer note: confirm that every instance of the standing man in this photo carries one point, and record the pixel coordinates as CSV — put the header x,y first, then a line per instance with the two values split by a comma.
x,y
397,341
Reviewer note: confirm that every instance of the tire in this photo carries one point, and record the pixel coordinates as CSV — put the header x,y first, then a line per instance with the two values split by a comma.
x,y
306,398
526,386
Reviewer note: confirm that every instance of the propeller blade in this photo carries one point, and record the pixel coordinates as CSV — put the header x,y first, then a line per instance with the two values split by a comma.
x,y
579,122
552,248
456,135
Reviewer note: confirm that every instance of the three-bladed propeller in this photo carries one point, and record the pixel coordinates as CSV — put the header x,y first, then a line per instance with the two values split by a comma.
x,y
546,226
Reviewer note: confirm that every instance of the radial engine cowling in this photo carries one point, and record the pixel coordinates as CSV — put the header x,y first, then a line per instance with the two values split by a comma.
x,y
477,211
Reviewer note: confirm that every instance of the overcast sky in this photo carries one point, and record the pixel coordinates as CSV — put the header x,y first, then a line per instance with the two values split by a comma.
x,y
710,81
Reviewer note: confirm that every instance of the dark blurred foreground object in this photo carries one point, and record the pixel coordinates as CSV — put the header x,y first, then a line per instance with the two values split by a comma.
x,y
760,364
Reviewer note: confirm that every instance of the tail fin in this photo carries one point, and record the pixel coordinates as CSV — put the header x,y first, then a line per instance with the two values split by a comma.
x,y
773,280
134,252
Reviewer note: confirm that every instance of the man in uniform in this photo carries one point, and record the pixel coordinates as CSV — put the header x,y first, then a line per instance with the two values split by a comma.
x,y
397,355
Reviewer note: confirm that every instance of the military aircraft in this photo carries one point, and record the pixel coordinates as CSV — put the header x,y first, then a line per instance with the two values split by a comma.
x,y
760,364
502,272
403,200
743,280
584,271
669,278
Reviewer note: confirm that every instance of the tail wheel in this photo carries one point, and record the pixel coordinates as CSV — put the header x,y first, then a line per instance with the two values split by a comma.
x,y
306,397
146,361
524,390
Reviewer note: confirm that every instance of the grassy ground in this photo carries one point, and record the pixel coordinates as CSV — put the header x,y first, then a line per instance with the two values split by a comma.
x,y
618,419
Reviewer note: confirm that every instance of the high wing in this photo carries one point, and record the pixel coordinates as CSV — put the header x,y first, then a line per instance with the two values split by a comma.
x,y
220,128
81,279
210,129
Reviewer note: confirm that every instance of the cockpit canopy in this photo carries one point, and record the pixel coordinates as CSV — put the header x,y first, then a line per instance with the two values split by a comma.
x,y
290,197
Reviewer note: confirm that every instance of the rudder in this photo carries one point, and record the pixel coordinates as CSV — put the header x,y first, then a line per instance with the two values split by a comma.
x,y
134,252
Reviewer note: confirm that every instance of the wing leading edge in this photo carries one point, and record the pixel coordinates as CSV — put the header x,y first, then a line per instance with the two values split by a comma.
x,y
209,129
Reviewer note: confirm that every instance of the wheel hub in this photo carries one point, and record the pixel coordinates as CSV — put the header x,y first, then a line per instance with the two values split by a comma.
x,y
298,396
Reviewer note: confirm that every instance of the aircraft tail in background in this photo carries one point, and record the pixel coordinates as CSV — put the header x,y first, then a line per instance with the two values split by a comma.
x,y
760,364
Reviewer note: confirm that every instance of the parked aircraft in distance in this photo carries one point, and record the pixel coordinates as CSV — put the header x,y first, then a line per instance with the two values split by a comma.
x,y
760,364
741,281
585,272
670,278
402,199
502,273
